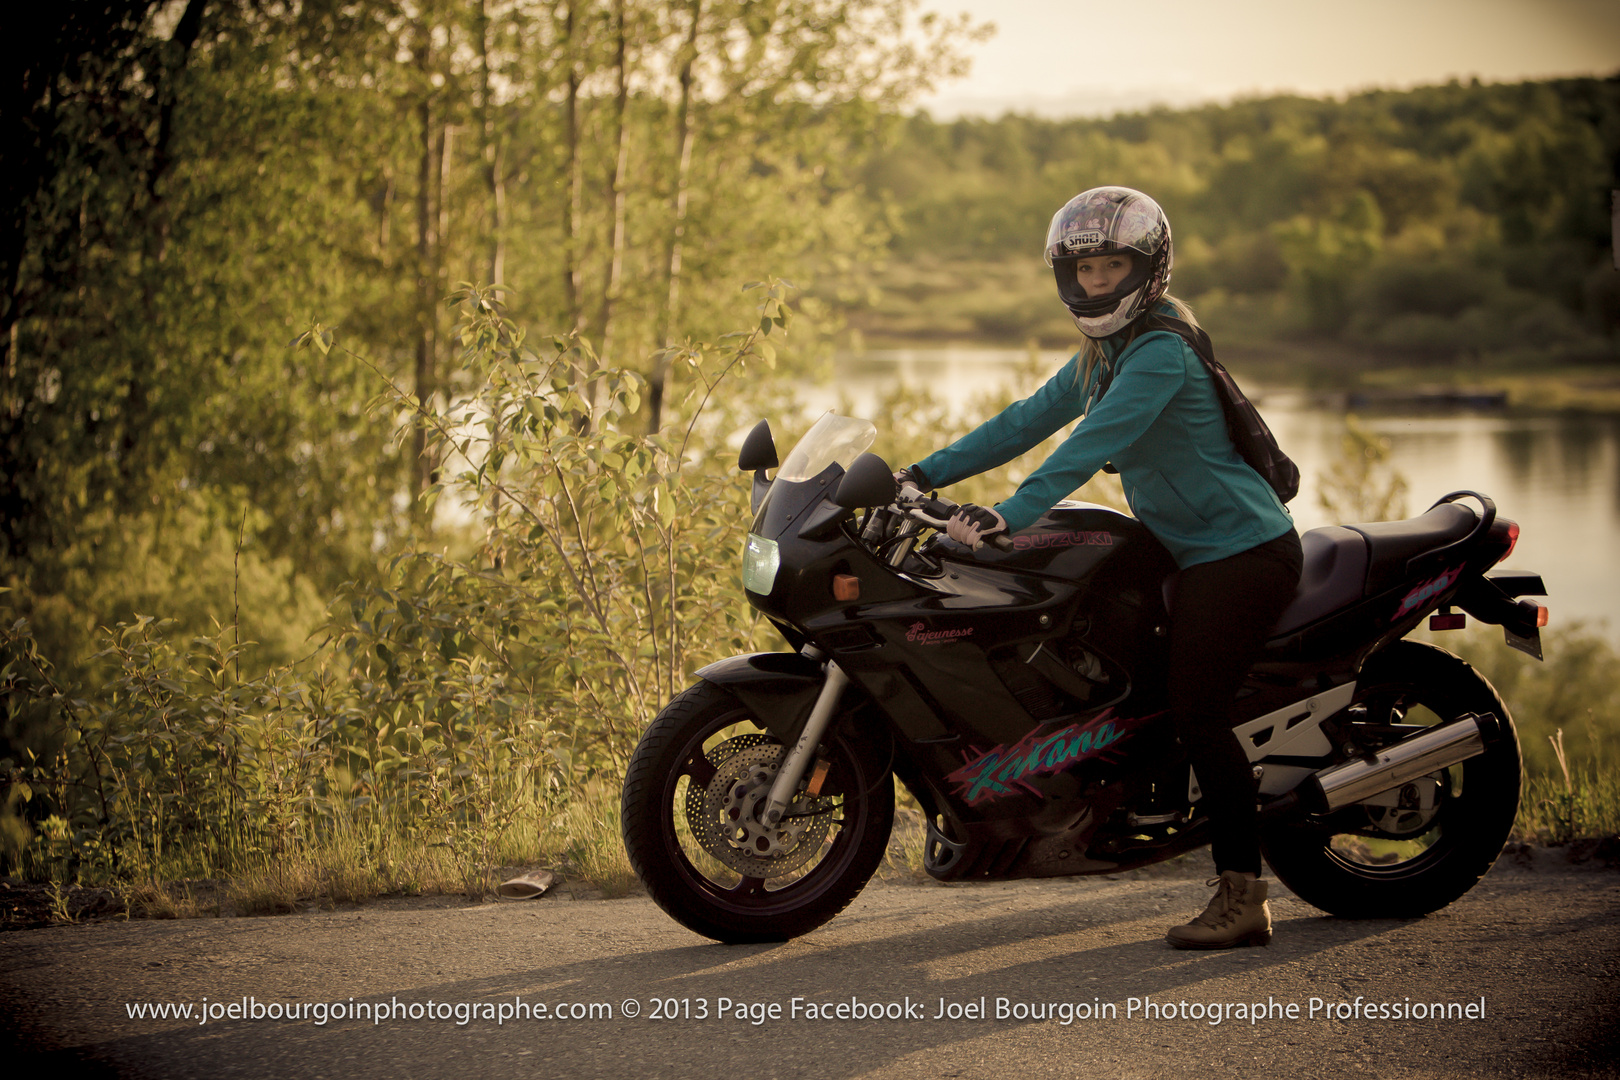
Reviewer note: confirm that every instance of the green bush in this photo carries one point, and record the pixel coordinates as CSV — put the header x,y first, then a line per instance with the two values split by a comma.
x,y
455,710
1575,690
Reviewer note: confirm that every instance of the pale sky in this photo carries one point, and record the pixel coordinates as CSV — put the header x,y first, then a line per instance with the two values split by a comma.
x,y
1065,57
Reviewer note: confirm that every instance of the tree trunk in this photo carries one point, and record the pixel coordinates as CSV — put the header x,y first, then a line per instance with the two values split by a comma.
x,y
384,216
174,57
493,164
441,233
428,168
658,384
496,181
616,185
572,207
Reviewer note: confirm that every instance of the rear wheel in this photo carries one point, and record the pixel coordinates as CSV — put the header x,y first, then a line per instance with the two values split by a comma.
x,y
1417,848
689,813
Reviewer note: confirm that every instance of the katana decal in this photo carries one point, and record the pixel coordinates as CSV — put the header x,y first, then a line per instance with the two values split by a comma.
x,y
996,772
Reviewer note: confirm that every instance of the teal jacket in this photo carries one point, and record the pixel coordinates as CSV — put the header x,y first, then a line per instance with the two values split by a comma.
x,y
1160,424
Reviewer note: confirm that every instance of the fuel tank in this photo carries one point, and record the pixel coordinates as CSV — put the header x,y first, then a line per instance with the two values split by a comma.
x,y
967,654
1074,540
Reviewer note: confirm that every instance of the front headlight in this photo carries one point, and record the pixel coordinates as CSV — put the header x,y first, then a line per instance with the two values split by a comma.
x,y
761,560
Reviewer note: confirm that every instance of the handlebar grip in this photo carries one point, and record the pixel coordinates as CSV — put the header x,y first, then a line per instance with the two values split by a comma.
x,y
942,510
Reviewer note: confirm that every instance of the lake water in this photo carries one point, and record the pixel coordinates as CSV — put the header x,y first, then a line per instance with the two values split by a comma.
x,y
1558,476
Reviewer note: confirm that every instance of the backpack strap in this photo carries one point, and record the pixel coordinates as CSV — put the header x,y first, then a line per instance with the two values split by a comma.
x,y
1251,437
1194,336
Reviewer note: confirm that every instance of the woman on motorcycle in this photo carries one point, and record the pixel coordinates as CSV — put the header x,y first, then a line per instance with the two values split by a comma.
x,y
1146,404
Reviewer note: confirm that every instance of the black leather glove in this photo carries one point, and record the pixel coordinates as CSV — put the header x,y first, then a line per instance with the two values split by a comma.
x,y
973,525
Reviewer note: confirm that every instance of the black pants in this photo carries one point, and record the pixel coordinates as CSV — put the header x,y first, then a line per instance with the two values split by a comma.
x,y
1220,614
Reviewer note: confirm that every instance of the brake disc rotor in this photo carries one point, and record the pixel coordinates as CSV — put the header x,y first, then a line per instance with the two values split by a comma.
x,y
724,815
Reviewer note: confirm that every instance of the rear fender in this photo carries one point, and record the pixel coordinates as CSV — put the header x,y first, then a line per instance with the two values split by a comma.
x,y
1493,599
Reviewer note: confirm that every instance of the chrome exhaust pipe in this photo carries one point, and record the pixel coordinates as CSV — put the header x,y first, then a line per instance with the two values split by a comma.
x,y
1391,766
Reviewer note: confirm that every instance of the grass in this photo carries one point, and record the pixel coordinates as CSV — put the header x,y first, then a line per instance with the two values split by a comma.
x,y
1532,385
1571,805
348,864
1556,809
904,859
588,834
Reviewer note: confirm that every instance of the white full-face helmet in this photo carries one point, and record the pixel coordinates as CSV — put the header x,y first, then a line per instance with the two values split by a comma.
x,y
1109,221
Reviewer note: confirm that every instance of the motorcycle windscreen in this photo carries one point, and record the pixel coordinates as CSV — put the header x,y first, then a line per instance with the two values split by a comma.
x,y
832,440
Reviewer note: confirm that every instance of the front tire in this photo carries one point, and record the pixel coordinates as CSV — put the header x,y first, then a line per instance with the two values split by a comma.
x,y
714,884
1407,861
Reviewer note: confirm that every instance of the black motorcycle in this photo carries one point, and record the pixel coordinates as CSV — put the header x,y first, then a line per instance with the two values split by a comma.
x,y
1018,693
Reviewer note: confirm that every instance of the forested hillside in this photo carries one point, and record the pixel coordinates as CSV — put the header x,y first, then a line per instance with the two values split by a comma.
x,y
1439,222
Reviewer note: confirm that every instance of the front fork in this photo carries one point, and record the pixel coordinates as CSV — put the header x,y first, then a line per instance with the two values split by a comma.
x,y
798,759
804,751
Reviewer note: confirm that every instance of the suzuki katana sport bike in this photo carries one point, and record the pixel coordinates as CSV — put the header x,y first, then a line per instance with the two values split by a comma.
x,y
1018,692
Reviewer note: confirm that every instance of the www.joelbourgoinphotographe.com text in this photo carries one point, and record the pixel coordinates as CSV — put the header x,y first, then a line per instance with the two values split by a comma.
x,y
812,1009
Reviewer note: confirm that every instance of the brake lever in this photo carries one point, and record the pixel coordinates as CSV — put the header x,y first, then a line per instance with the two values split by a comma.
x,y
916,513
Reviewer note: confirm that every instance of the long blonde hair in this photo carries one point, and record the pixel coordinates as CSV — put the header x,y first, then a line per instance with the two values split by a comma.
x,y
1091,350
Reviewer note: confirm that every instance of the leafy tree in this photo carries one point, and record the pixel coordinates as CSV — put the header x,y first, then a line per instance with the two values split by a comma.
x,y
207,179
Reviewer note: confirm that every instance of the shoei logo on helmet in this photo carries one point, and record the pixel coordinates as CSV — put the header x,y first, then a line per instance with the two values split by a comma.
x,y
1091,238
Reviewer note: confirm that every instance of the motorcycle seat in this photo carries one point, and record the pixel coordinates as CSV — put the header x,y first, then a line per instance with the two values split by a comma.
x,y
1333,576
1344,563
1392,544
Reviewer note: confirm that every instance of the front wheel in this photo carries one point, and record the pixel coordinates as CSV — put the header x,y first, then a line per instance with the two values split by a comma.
x,y
695,783
1413,850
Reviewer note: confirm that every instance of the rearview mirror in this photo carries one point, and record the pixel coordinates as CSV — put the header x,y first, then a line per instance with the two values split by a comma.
x,y
758,449
869,482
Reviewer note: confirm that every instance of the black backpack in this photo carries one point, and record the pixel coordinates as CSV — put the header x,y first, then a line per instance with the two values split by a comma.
x,y
1253,439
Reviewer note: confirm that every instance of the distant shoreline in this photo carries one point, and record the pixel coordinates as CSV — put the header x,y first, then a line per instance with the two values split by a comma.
x,y
1360,378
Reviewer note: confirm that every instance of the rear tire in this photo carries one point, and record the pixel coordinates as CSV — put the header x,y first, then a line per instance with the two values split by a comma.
x,y
681,752
1376,862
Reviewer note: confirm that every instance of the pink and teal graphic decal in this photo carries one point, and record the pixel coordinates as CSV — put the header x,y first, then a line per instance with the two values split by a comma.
x,y
997,772
1428,591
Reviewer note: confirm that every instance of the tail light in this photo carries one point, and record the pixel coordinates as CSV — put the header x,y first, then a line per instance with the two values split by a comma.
x,y
1512,538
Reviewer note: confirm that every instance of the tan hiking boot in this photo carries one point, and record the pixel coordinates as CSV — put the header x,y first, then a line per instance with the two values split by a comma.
x,y
1238,915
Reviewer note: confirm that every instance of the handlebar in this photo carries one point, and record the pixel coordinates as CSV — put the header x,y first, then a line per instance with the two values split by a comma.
x,y
936,512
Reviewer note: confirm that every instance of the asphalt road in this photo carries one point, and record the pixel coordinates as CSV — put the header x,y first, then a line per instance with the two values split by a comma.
x,y
1537,951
